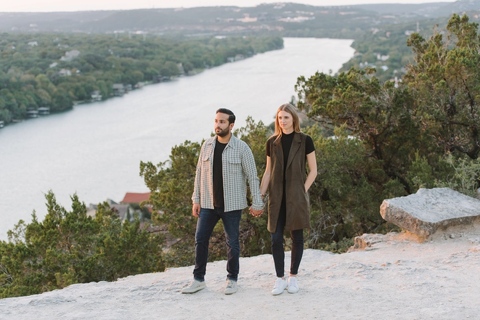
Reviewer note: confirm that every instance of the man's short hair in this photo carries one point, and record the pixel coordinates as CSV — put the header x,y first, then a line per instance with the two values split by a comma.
x,y
231,116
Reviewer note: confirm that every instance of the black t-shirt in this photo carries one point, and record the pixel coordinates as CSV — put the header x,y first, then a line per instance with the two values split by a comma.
x,y
287,143
218,175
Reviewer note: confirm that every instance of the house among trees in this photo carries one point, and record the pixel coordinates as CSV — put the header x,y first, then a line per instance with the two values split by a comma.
x,y
96,96
32,113
237,57
43,111
118,89
159,78
135,198
129,208
70,55
65,72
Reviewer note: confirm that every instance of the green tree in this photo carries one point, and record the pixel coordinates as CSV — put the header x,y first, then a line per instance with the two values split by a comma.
x,y
10,103
445,84
169,69
43,98
70,247
61,100
171,186
378,115
349,189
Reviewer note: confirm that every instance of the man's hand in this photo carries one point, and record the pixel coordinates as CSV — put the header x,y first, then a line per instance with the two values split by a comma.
x,y
196,210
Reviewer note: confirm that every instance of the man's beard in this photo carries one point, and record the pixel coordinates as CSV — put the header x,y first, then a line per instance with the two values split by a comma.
x,y
222,133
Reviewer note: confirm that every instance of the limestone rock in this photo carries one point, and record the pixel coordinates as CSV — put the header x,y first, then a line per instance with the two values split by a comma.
x,y
429,210
366,240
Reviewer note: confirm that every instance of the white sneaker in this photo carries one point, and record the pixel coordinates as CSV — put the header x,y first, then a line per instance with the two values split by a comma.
x,y
292,285
231,287
195,286
279,287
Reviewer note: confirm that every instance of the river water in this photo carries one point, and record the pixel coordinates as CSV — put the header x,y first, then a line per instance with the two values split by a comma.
x,y
95,149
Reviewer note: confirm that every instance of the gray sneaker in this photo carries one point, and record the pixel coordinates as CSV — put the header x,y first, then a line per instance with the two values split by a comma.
x,y
280,285
231,287
292,285
195,286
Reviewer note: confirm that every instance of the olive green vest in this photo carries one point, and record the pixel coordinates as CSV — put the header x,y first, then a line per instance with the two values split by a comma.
x,y
297,200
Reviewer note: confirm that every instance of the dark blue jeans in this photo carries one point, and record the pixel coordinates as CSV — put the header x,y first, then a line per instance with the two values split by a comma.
x,y
278,250
207,220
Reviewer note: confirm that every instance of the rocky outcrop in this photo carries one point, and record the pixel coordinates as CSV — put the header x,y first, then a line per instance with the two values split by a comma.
x,y
430,210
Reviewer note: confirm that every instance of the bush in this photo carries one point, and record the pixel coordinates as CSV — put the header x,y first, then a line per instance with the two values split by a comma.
x,y
70,247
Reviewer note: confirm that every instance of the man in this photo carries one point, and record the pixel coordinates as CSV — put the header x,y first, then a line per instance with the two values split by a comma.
x,y
224,166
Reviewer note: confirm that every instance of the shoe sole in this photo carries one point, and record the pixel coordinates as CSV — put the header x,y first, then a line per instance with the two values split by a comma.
x,y
230,292
277,294
193,291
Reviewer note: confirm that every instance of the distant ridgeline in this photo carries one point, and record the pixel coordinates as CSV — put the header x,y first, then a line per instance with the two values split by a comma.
x,y
287,19
44,73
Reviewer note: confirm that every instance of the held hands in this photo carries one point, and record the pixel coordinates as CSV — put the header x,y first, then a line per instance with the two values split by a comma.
x,y
256,213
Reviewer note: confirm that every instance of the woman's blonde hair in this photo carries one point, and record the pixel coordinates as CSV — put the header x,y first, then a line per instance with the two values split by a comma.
x,y
287,107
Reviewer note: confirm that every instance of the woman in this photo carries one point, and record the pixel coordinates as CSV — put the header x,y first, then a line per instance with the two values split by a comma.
x,y
287,183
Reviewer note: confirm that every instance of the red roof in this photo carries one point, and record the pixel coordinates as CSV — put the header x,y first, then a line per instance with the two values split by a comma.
x,y
132,197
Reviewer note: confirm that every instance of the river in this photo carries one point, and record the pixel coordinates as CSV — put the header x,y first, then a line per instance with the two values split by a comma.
x,y
95,149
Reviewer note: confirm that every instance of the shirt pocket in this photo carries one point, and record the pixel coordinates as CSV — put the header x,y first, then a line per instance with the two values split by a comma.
x,y
235,165
206,163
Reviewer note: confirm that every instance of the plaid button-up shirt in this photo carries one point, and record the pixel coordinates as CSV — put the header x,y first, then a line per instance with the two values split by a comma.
x,y
238,167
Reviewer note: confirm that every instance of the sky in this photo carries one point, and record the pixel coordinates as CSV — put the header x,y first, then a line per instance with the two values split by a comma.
x,y
86,5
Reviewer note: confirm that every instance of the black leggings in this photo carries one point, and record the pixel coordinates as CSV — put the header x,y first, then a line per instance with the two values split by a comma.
x,y
278,251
